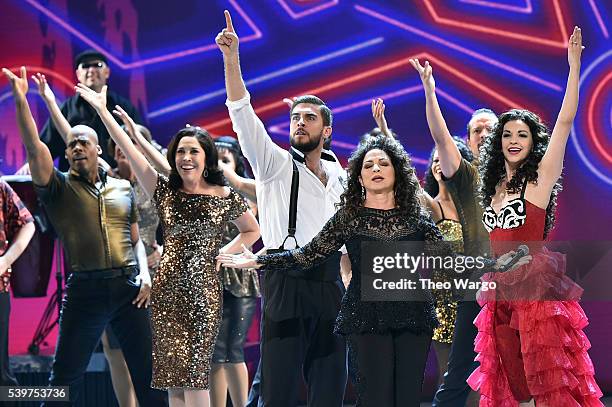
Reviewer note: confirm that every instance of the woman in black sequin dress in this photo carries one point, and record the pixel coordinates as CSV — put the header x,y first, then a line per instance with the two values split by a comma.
x,y
391,339
193,207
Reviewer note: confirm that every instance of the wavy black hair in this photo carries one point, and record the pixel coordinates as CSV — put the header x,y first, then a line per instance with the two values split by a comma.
x,y
407,188
231,144
431,185
492,162
214,176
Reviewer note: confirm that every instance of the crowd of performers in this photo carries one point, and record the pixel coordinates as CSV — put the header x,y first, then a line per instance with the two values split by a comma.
x,y
114,187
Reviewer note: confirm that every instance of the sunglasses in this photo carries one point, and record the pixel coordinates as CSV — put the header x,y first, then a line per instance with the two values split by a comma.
x,y
95,65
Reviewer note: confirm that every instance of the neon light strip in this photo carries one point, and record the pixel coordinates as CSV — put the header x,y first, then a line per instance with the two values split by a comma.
x,y
267,77
458,48
143,62
377,71
574,136
304,13
35,69
600,21
526,9
509,34
591,112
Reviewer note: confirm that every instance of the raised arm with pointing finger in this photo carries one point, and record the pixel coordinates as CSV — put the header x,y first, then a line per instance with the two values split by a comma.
x,y
264,156
39,157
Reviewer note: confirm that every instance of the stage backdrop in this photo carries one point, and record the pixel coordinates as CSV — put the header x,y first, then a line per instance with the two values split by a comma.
x,y
496,54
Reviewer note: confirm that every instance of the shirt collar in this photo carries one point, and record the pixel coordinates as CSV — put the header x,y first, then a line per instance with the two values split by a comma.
x,y
325,155
102,175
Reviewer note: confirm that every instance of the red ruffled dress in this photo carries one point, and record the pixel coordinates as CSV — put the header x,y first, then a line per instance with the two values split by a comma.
x,y
529,347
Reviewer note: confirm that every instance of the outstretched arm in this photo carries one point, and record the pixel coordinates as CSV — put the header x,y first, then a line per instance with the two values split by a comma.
x,y
552,162
39,157
378,112
449,154
47,95
155,157
329,240
227,40
146,174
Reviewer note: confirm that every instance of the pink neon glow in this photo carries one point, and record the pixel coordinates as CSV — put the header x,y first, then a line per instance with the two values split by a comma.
x,y
35,69
503,33
148,61
306,12
600,21
591,114
526,9
282,129
376,71
459,48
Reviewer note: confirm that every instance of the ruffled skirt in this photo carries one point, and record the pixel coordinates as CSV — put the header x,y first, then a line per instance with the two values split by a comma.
x,y
530,344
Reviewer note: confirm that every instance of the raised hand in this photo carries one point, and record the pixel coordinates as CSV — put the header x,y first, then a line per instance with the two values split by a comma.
x,y
126,119
95,99
227,40
426,74
244,260
378,112
44,90
289,101
574,48
19,85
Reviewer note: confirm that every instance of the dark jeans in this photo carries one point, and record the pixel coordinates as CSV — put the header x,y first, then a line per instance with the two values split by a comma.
x,y
6,377
390,368
86,309
454,391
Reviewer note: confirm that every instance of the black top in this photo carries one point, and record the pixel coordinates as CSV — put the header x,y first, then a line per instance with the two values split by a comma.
x,y
78,111
357,316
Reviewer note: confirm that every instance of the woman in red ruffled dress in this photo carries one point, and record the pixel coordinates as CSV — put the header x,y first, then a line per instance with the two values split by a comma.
x,y
530,343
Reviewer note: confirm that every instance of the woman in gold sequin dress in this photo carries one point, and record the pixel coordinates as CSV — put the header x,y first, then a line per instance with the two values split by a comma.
x,y
193,206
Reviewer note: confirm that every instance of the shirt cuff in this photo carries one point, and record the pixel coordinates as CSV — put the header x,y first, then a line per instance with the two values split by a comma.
x,y
237,104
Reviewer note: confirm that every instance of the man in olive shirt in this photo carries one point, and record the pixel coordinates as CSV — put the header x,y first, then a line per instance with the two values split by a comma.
x,y
462,180
95,218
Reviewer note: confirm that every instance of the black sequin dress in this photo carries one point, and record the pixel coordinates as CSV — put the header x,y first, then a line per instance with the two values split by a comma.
x,y
187,290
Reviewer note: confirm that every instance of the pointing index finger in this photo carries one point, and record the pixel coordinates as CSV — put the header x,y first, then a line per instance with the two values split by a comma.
x,y
228,22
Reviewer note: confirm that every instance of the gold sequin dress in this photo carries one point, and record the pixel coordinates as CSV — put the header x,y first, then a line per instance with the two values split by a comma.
x,y
187,291
446,308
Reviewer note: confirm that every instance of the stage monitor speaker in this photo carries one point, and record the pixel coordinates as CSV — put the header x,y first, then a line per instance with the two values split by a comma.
x,y
31,272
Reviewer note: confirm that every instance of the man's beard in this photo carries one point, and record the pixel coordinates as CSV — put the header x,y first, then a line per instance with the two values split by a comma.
x,y
306,147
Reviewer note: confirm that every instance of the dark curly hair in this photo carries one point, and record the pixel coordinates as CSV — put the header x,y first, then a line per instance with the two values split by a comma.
x,y
407,188
231,144
492,168
214,176
431,185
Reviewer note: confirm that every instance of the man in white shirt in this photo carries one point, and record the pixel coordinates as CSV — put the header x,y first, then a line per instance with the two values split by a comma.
x,y
300,309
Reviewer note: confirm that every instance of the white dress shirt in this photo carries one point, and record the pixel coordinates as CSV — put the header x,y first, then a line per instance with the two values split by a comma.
x,y
273,171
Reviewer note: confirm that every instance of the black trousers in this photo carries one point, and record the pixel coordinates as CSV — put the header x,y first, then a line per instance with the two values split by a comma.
x,y
390,368
6,376
454,390
302,347
88,306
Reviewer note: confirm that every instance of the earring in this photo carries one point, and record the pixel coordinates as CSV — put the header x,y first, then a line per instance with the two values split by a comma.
x,y
205,172
363,193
